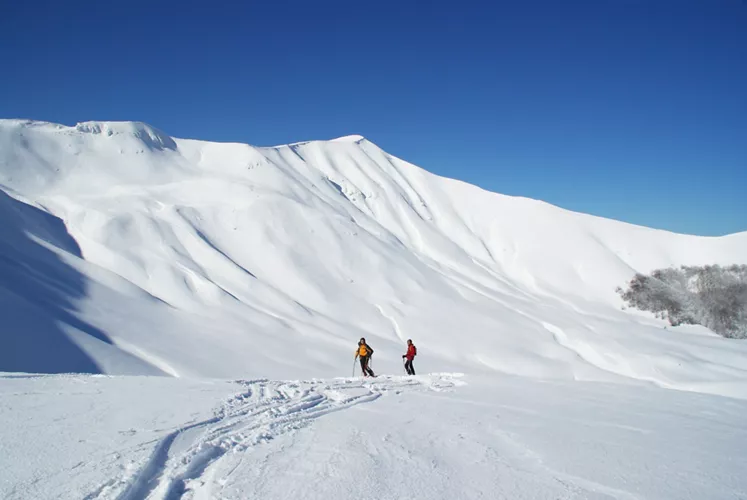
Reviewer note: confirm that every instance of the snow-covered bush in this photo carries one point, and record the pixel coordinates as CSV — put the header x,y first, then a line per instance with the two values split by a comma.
x,y
712,296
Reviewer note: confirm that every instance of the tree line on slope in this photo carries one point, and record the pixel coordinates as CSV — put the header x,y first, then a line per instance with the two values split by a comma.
x,y
712,296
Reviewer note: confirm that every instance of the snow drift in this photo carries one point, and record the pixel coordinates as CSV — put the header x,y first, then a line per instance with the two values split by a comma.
x,y
127,251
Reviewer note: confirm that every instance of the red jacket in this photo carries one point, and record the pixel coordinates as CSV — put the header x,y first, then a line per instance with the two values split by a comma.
x,y
411,352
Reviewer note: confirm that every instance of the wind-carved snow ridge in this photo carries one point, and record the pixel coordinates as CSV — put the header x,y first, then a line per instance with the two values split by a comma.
x,y
263,411
153,138
350,138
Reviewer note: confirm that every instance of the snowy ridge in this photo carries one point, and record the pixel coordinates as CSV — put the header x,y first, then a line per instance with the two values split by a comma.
x,y
350,138
193,258
153,138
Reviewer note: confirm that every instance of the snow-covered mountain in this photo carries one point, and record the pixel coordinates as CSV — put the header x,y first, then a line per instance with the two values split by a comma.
x,y
126,251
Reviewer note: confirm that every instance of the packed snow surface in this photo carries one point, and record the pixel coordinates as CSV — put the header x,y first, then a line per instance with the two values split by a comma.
x,y
124,251
425,437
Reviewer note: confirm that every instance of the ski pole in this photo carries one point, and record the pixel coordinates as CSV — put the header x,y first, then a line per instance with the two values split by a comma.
x,y
354,360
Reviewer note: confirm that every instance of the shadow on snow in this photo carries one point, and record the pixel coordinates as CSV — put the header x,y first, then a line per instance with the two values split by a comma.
x,y
38,294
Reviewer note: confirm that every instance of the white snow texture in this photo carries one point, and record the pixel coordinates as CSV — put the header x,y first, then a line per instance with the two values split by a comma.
x,y
124,251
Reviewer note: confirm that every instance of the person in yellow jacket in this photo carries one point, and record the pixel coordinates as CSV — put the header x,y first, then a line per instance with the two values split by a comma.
x,y
364,352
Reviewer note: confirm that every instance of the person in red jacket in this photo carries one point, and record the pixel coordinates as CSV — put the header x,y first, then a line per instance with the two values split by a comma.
x,y
412,351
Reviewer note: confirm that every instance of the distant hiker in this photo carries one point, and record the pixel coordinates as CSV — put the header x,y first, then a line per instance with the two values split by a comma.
x,y
364,352
412,351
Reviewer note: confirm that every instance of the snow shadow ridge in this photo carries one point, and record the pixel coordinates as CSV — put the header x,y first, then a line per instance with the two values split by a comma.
x,y
38,294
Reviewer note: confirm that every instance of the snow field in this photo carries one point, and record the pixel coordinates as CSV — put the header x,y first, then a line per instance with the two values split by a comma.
x,y
425,437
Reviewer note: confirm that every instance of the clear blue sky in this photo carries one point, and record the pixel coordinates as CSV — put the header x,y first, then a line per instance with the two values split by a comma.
x,y
629,109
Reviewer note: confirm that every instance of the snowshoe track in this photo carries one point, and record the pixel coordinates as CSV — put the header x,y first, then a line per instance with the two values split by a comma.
x,y
262,411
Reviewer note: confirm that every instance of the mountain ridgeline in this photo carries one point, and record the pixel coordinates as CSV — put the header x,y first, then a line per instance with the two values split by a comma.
x,y
142,253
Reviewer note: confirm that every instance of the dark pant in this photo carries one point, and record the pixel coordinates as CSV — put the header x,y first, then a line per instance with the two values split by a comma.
x,y
364,366
409,368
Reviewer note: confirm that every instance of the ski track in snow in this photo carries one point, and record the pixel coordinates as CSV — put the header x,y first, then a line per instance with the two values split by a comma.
x,y
262,411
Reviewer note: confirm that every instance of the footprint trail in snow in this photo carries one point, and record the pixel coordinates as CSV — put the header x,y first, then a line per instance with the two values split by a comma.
x,y
262,411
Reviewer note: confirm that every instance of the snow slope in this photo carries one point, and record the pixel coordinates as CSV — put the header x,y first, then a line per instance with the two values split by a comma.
x,y
426,437
127,251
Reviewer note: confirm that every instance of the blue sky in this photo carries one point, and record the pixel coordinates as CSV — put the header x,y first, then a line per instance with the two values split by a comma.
x,y
629,109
